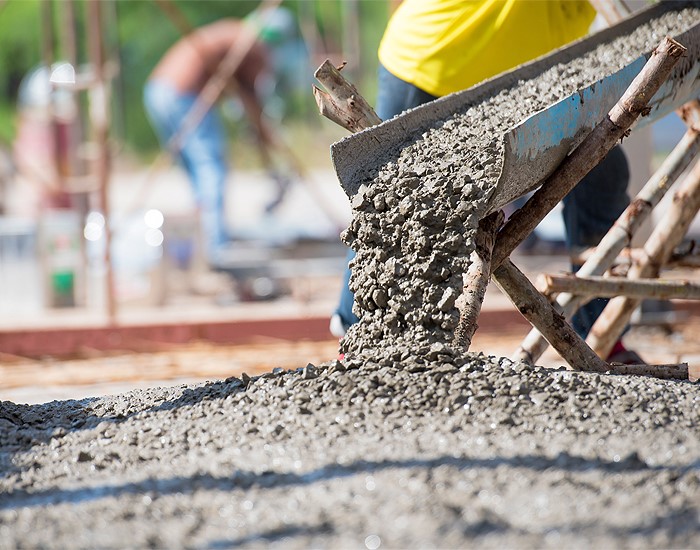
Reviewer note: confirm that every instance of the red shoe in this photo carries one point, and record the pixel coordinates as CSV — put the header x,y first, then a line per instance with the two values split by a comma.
x,y
623,356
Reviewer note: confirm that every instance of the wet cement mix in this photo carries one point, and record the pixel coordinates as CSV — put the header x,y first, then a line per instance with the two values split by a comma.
x,y
406,442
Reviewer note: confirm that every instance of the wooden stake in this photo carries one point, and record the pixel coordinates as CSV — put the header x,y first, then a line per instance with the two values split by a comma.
x,y
342,103
665,372
591,151
477,279
621,233
537,309
667,235
608,287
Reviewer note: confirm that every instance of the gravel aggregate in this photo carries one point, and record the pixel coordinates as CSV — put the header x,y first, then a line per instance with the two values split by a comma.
x,y
404,443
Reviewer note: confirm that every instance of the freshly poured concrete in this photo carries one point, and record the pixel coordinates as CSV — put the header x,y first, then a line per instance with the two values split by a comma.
x,y
415,216
405,443
433,452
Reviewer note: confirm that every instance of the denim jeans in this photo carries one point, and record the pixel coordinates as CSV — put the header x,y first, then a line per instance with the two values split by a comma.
x,y
202,155
589,210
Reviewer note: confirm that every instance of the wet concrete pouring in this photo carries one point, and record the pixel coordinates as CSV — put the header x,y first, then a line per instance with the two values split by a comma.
x,y
406,442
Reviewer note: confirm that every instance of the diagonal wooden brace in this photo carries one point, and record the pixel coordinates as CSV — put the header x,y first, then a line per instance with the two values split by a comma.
x,y
582,160
620,234
477,279
592,150
658,249
553,326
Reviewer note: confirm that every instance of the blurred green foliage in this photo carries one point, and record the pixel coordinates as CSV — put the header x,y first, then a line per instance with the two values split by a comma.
x,y
138,32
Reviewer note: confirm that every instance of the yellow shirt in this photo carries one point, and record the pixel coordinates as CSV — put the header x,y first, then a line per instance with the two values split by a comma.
x,y
443,46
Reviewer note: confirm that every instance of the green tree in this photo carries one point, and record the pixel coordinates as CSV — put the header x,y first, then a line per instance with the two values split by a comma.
x,y
138,32
20,50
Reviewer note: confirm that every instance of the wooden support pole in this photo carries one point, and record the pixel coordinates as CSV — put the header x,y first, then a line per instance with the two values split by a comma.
x,y
537,309
591,151
99,96
628,256
477,279
346,107
621,233
341,102
665,372
608,287
658,249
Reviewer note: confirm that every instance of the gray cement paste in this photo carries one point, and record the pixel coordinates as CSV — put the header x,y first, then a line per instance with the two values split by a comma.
x,y
416,446
415,218
445,453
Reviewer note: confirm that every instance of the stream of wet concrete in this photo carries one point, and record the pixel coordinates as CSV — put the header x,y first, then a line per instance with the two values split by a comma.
x,y
405,443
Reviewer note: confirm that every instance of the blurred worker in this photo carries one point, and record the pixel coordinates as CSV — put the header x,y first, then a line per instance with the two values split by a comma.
x,y
432,48
173,89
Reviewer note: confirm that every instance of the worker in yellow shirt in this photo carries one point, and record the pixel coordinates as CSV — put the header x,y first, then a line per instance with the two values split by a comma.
x,y
432,48
445,46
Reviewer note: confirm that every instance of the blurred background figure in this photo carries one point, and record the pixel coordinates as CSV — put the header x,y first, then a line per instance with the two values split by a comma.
x,y
173,91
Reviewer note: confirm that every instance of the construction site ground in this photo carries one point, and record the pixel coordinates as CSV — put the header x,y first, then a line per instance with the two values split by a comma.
x,y
291,332
347,455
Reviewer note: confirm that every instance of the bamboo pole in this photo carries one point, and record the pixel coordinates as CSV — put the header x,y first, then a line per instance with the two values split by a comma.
x,y
477,279
608,287
592,150
620,234
658,249
341,102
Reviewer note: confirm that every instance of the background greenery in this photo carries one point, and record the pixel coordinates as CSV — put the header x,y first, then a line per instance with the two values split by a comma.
x,y
138,32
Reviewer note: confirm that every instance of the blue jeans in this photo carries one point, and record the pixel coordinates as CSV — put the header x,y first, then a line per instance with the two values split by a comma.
x,y
202,154
589,210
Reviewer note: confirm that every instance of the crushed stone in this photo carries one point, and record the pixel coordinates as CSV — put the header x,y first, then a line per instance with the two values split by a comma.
x,y
406,443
